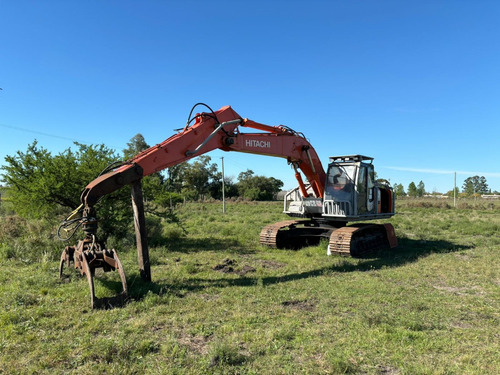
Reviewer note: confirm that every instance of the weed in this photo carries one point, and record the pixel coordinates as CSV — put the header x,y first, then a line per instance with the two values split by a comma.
x,y
7,252
224,353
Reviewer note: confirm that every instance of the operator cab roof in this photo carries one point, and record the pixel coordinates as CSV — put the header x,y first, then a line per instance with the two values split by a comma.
x,y
350,159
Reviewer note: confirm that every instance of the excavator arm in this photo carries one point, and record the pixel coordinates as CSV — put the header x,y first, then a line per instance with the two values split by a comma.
x,y
210,131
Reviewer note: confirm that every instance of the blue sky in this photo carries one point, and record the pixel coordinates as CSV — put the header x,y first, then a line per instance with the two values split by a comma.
x,y
414,84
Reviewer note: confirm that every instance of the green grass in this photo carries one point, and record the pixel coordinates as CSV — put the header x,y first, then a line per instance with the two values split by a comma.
x,y
429,307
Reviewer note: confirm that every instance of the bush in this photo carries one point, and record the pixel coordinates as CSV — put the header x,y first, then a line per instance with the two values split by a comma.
x,y
154,230
29,241
7,252
43,186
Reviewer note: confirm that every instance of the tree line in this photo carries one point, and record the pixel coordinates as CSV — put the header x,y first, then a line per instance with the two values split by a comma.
x,y
472,186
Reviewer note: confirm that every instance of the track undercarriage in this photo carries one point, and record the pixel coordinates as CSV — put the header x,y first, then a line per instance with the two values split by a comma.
x,y
354,240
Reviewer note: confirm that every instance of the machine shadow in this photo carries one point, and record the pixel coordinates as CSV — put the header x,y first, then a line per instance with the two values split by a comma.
x,y
408,251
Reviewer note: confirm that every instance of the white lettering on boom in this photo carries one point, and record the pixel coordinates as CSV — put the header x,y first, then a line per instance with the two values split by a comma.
x,y
255,143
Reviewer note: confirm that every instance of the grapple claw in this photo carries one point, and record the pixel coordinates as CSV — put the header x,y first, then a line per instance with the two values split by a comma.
x,y
88,256
67,257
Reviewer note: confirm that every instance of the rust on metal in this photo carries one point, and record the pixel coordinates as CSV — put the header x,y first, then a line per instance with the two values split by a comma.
x,y
269,234
361,239
391,235
88,256
340,241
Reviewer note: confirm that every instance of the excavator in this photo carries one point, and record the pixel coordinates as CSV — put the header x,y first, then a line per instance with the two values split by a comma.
x,y
321,207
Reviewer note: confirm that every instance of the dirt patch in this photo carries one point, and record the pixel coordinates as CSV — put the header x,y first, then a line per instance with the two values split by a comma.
x,y
246,269
387,370
461,325
208,297
158,328
300,305
272,264
459,291
462,256
227,266
230,266
450,289
197,344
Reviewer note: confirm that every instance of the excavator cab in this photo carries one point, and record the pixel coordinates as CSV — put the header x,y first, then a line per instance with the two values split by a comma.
x,y
351,192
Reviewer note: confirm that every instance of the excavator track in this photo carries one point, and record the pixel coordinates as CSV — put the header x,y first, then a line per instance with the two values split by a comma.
x,y
269,234
361,239
355,240
294,234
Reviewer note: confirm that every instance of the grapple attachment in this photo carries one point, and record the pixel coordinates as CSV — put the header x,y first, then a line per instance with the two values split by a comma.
x,y
88,256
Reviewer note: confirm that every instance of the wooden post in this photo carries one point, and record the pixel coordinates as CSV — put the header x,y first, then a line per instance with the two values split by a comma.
x,y
140,231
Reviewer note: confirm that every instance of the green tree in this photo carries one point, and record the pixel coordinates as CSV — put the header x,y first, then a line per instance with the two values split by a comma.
x,y
420,189
136,144
215,187
198,177
175,177
258,187
451,194
42,185
154,187
399,190
412,190
475,184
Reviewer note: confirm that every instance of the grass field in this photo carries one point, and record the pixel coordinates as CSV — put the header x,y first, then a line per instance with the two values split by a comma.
x,y
222,304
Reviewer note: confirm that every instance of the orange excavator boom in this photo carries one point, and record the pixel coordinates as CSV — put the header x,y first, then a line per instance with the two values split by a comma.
x,y
210,131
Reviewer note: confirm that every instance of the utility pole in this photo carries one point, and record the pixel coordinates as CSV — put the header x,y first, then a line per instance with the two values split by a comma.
x,y
223,193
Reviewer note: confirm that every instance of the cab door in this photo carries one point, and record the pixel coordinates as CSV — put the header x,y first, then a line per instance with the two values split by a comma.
x,y
366,198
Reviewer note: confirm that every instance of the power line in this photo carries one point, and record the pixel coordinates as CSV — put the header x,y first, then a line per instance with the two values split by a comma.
x,y
42,133
53,135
